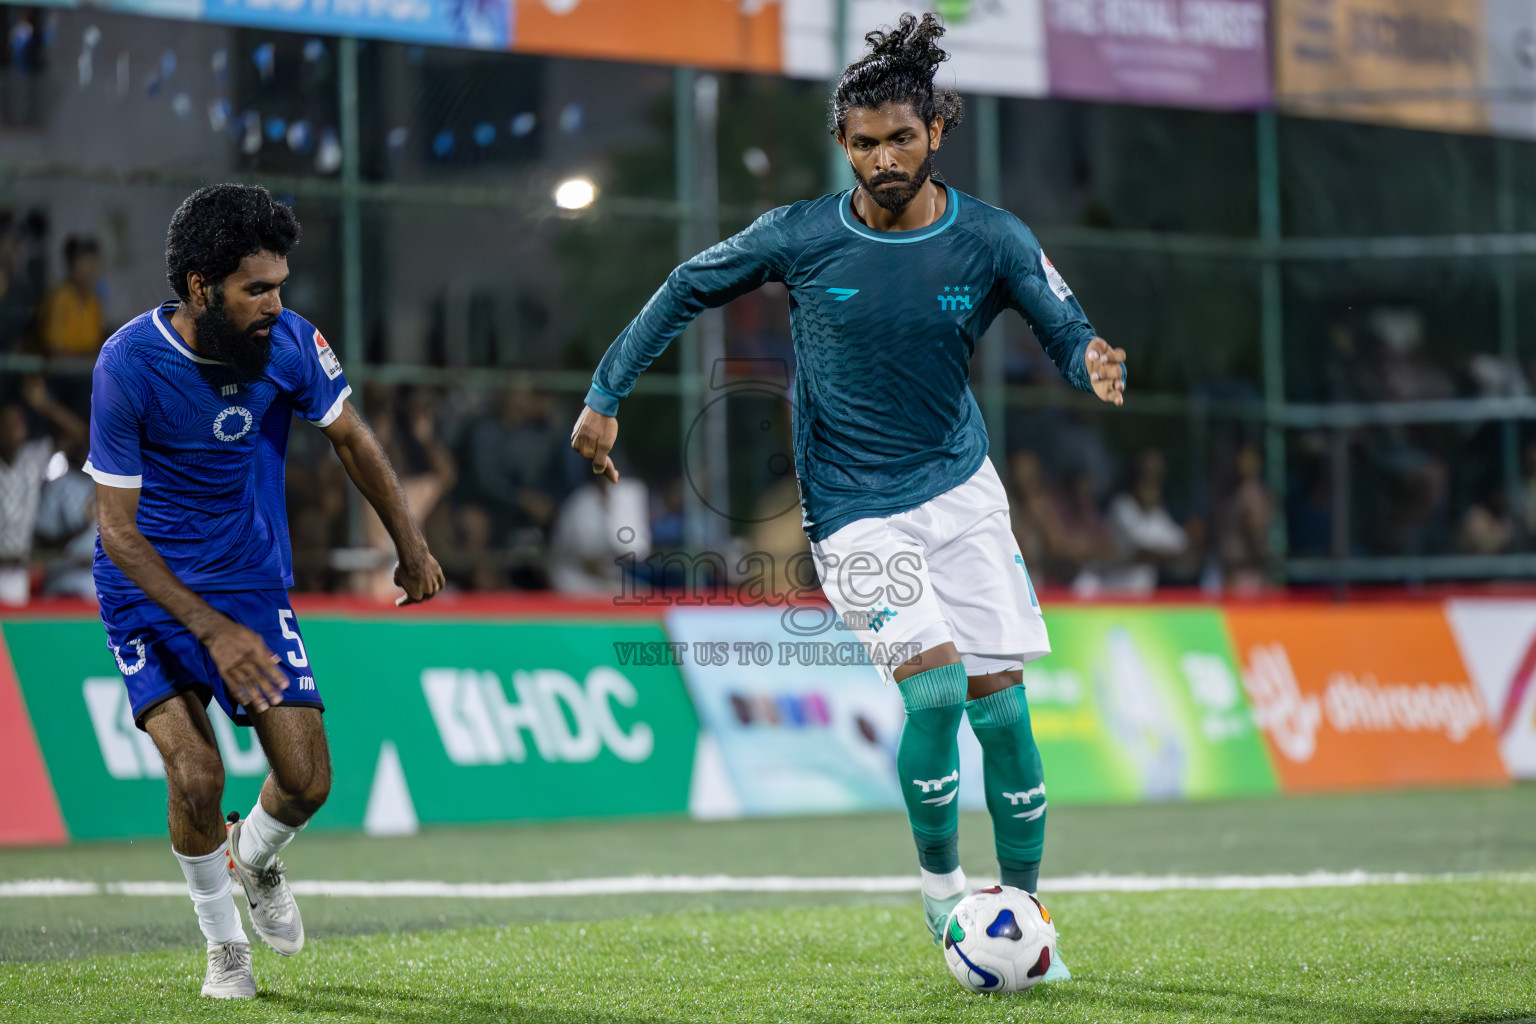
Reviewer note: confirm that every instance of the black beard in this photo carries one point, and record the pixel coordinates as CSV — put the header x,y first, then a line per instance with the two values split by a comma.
x,y
896,199
242,350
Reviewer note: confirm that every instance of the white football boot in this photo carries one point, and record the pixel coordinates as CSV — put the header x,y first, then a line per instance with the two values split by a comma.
x,y
936,910
274,914
1056,970
230,974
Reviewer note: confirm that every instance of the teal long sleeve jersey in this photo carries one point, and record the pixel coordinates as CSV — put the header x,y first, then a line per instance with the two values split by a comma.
x,y
884,325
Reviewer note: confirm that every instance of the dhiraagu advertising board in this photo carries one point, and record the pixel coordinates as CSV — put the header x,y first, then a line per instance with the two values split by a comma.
x,y
1143,704
429,720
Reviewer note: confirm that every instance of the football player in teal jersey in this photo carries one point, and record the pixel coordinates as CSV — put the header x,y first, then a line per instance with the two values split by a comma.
x,y
891,284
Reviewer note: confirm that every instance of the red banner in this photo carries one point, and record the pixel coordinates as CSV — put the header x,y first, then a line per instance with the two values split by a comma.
x,y
29,810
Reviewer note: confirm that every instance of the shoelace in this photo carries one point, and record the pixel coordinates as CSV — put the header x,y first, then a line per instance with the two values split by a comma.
x,y
232,960
271,883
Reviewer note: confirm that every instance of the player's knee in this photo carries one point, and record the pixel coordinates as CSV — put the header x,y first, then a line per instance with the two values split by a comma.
x,y
307,789
195,781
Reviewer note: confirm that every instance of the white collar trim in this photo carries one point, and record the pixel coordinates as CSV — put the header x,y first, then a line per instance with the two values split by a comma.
x,y
170,336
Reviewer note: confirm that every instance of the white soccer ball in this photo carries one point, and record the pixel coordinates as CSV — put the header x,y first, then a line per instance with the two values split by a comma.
x,y
999,940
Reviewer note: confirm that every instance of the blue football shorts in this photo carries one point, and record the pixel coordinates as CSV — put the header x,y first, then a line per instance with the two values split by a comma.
x,y
159,657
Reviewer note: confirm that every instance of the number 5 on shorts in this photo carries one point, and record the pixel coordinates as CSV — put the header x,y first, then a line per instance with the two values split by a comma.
x,y
300,660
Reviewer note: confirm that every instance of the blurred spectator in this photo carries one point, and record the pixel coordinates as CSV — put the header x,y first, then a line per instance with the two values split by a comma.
x,y
317,507
18,301
1486,527
1058,535
1034,513
777,530
513,470
1087,543
23,468
598,525
1242,525
405,423
70,322
1146,532
1404,371
1526,513
66,524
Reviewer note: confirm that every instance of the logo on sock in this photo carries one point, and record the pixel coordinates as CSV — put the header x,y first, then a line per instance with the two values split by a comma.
x,y
932,785
1024,798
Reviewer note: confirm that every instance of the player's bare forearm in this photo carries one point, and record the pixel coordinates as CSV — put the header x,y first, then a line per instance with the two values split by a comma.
x,y
142,564
369,468
375,479
241,657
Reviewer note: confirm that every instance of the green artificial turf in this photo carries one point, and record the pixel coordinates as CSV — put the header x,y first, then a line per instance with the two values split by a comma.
x,y
1464,951
1372,955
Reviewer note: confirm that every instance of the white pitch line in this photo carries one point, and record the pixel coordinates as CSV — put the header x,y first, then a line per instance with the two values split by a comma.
x,y
673,884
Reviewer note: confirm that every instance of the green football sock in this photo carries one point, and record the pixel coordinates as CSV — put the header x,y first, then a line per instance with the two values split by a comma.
x,y
928,763
1014,783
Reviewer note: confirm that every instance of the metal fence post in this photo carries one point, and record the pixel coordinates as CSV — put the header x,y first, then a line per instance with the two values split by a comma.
x,y
351,242
690,392
1271,328
989,185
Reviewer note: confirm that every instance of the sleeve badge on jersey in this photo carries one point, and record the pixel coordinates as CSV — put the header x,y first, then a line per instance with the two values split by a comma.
x,y
1053,278
328,361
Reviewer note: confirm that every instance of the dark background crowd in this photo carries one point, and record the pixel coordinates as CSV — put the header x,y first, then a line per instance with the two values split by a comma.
x,y
479,309
507,505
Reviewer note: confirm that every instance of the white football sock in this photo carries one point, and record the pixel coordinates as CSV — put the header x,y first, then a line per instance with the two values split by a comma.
x,y
942,887
263,837
212,896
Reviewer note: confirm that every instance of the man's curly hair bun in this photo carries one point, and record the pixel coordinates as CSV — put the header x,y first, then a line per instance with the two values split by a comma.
x,y
899,68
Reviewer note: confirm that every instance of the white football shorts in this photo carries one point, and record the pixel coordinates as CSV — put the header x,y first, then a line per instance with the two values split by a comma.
x,y
948,570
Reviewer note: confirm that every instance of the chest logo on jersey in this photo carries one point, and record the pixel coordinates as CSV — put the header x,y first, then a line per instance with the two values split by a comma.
x,y
233,423
955,298
229,389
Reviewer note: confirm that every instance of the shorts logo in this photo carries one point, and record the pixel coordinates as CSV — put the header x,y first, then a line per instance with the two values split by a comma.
x,y
879,617
137,643
236,418
1033,600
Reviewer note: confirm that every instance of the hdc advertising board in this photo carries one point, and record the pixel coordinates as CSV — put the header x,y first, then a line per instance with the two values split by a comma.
x,y
429,721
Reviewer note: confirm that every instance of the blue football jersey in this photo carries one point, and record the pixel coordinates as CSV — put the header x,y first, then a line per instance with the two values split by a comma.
x,y
884,325
205,448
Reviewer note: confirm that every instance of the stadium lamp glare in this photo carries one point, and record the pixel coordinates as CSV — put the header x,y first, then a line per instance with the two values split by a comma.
x,y
575,194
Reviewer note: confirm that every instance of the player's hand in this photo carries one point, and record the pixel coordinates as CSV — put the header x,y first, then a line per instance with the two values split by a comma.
x,y
1106,371
249,670
593,438
419,577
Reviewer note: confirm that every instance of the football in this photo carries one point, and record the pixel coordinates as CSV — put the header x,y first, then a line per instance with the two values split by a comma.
x,y
999,940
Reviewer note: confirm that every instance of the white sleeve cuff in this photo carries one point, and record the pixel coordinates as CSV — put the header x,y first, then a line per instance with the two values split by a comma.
x,y
112,479
335,409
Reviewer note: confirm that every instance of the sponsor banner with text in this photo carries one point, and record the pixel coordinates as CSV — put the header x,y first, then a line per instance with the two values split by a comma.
x,y
1186,53
1361,696
1135,704
1415,63
428,721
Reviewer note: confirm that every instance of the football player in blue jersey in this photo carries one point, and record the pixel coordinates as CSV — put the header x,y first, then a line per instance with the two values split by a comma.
x,y
890,285
190,409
